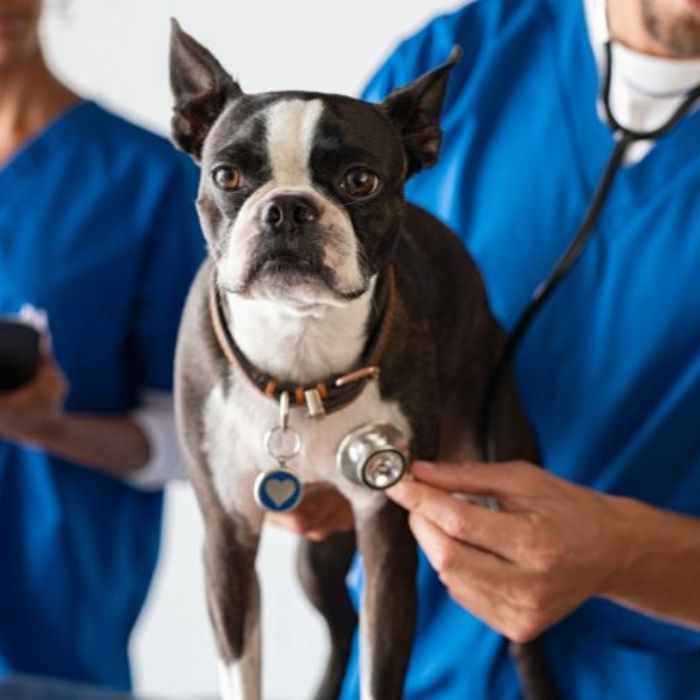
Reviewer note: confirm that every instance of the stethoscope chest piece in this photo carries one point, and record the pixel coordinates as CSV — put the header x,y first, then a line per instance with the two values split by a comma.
x,y
374,455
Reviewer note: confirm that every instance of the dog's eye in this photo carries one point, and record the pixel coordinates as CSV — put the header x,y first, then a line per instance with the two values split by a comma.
x,y
227,178
360,182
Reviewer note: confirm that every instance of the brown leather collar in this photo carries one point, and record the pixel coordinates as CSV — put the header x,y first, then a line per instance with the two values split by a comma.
x,y
332,393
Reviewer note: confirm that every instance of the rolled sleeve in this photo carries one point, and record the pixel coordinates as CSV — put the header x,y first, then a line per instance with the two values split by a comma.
x,y
156,419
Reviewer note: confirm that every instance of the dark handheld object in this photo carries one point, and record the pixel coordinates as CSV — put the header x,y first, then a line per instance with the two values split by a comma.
x,y
535,678
19,354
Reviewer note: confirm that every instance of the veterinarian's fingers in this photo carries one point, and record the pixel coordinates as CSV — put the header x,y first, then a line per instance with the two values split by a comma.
x,y
491,530
513,622
455,561
499,593
500,479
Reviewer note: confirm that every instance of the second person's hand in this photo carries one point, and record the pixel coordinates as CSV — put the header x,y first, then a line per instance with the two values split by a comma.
x,y
322,512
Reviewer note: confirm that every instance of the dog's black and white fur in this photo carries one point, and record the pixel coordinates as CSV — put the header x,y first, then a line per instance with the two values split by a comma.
x,y
298,257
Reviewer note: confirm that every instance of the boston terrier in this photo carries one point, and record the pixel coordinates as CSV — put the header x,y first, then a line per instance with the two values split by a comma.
x,y
332,323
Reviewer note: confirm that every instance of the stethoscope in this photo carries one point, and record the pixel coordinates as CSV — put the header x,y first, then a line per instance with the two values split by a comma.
x,y
376,455
625,137
354,461
538,673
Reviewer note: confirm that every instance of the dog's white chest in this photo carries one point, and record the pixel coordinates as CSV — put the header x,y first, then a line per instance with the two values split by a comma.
x,y
235,428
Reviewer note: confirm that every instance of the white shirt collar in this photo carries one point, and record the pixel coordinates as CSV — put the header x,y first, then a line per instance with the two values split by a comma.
x,y
645,90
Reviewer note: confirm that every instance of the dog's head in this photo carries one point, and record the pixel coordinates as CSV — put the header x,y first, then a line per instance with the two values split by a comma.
x,y
301,194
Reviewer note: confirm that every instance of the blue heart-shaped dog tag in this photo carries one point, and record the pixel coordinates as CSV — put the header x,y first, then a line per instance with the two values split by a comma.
x,y
278,490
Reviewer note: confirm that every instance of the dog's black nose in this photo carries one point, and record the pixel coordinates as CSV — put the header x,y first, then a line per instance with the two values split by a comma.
x,y
286,213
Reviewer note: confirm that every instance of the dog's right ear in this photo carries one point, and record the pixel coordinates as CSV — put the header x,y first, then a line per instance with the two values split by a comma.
x,y
201,88
415,110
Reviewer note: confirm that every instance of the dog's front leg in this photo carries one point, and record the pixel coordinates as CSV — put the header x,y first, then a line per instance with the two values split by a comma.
x,y
388,611
233,598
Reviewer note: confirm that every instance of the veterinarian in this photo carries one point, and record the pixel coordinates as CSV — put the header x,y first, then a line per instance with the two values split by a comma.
x,y
97,229
601,549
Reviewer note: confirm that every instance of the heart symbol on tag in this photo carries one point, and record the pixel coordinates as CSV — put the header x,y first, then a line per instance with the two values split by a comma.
x,y
279,489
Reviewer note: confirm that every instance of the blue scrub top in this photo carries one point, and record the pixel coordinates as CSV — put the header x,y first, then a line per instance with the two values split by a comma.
x,y
610,370
97,227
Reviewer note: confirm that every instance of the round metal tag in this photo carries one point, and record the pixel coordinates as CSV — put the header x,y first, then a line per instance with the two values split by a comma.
x,y
278,490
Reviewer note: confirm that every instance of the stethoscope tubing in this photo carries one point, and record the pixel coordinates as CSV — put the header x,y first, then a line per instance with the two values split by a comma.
x,y
624,138
653,134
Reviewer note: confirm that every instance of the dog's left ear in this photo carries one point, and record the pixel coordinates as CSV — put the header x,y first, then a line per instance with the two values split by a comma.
x,y
201,88
415,110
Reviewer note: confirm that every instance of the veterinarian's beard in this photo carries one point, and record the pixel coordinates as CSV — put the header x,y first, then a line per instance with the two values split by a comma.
x,y
678,31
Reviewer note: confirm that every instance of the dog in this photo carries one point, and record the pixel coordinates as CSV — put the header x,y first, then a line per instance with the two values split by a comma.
x,y
320,271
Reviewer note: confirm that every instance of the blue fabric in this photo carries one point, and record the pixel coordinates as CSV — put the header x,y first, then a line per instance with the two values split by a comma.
x,y
610,370
97,227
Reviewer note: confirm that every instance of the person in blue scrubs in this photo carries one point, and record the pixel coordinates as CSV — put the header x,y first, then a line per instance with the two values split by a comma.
x,y
98,231
601,549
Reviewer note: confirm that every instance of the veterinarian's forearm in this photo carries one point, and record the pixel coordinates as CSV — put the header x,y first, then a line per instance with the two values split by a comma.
x,y
112,444
660,572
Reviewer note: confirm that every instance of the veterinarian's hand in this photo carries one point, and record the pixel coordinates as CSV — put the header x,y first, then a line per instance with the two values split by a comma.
x,y
322,511
551,547
25,413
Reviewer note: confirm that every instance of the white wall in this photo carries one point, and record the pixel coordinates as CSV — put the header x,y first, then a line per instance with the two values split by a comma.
x,y
116,51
